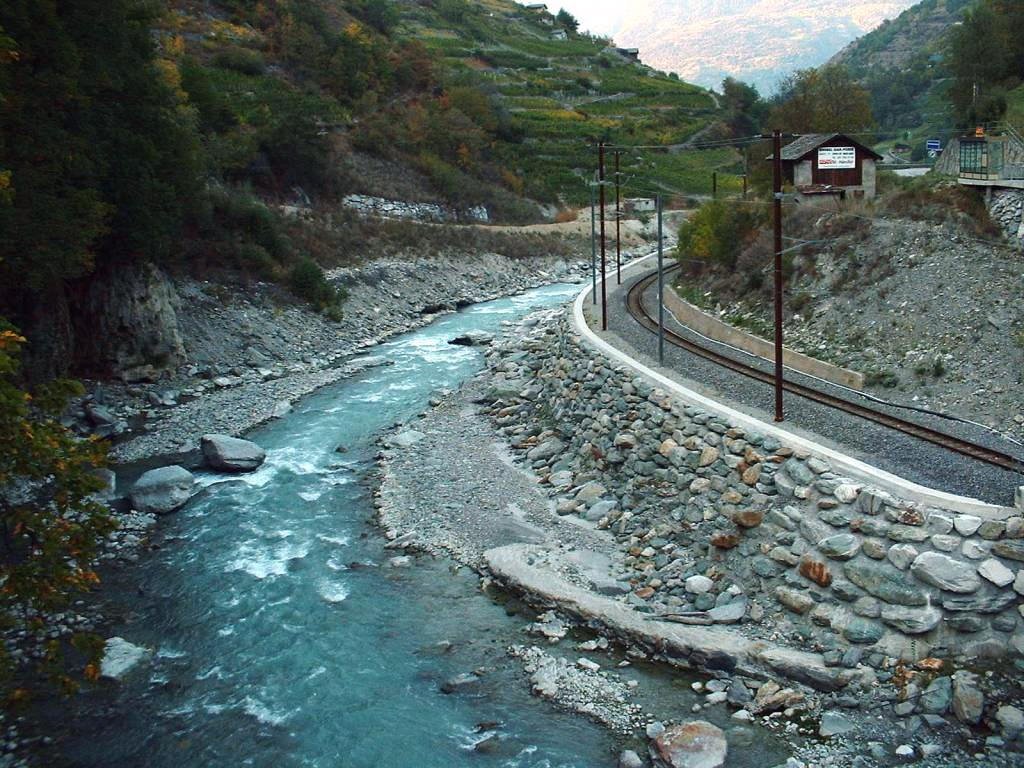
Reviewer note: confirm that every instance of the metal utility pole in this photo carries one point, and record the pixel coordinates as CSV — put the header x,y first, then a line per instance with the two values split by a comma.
x,y
661,288
746,169
593,244
604,280
618,219
777,205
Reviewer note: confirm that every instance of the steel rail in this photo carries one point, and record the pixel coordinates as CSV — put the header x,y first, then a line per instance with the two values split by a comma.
x,y
638,311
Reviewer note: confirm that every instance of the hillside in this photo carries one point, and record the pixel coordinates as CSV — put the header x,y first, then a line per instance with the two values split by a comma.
x,y
225,139
758,41
562,95
903,65
500,100
898,43
914,292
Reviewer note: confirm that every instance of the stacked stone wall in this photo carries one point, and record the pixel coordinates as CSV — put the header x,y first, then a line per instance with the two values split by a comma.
x,y
1006,207
724,525
422,212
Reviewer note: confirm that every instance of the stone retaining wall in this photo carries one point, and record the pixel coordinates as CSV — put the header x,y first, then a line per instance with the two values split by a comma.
x,y
1006,207
424,212
724,525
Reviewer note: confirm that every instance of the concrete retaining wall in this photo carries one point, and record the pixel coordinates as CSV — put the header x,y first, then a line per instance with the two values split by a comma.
x,y
841,463
707,325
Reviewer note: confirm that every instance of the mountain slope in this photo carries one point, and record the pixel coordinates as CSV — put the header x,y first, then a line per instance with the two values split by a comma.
x,y
897,42
758,41
563,95
902,64
479,100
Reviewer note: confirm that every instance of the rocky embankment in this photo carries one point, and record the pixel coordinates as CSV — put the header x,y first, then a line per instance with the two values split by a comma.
x,y
929,314
247,355
820,606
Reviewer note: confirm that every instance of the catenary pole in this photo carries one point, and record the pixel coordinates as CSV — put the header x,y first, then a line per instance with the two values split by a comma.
x,y
604,274
777,206
618,219
661,287
593,243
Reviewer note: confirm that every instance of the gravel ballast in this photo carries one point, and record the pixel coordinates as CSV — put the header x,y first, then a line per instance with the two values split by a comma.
x,y
874,444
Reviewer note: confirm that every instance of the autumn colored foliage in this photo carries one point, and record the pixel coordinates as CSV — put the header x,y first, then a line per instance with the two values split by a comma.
x,y
50,523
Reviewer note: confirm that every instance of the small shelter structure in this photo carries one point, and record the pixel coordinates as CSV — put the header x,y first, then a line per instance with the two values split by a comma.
x,y
828,166
639,205
991,160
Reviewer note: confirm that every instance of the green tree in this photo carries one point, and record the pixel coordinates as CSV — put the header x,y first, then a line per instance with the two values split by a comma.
x,y
744,107
308,281
567,21
50,522
986,59
454,11
822,100
101,151
717,233
382,15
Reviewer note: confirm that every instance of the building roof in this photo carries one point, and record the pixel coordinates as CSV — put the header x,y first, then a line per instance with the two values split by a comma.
x,y
804,145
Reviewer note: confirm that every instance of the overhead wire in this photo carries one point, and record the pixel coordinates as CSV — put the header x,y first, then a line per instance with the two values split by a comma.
x,y
799,244
865,395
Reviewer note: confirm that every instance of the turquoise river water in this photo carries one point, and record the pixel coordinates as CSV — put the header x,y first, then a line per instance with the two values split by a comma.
x,y
279,640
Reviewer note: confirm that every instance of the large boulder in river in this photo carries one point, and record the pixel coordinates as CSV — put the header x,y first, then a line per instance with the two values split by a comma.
x,y
231,454
697,744
162,490
120,657
473,339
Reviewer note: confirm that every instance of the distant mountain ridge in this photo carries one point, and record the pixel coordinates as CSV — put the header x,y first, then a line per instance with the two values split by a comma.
x,y
758,41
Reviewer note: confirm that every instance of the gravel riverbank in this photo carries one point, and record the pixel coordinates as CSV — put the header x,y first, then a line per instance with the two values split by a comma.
x,y
667,516
250,354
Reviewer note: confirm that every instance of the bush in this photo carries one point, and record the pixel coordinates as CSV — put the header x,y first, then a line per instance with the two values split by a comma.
x,y
51,522
240,60
308,281
925,199
453,10
881,377
717,233
239,212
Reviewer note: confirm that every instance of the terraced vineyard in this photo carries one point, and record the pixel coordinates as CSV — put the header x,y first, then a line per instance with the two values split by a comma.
x,y
563,95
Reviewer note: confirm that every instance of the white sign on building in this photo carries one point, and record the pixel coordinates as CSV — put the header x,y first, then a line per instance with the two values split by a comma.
x,y
837,158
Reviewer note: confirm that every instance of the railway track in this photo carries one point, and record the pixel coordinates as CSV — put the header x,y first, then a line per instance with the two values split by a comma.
x,y
638,311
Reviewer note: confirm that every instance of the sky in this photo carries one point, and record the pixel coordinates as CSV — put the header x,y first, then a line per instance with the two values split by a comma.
x,y
597,16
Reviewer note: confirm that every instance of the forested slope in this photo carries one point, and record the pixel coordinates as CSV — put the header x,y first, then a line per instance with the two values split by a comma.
x,y
175,133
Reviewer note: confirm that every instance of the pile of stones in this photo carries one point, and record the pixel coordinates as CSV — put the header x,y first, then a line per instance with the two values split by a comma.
x,y
721,525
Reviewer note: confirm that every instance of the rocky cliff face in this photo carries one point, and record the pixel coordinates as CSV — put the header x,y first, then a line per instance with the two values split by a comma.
x,y
759,41
120,322
133,322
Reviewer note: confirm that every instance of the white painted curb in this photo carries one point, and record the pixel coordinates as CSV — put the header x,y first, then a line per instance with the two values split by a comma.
x,y
841,463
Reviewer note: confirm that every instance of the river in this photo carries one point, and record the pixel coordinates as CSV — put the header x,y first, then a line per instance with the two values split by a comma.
x,y
282,638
